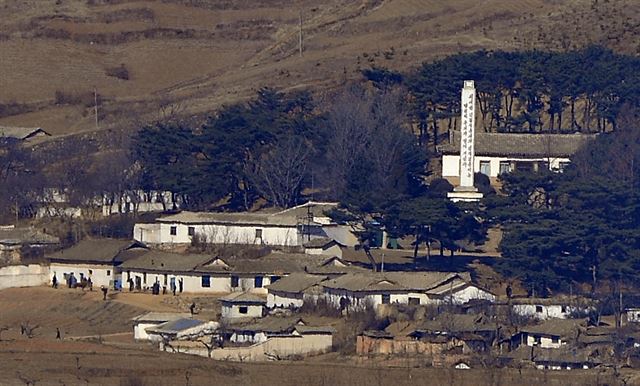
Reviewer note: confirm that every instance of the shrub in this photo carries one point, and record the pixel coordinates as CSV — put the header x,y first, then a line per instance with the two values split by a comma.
x,y
120,72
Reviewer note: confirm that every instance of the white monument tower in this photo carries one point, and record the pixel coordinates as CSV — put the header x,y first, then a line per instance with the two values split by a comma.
x,y
466,191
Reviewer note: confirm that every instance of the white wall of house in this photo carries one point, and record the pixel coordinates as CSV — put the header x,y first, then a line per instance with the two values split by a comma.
x,y
248,337
139,332
544,341
192,283
451,163
332,251
284,299
230,234
541,311
236,311
465,294
100,274
32,275
633,315
147,233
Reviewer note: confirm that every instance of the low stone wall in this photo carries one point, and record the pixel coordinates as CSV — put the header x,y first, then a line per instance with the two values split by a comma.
x,y
272,349
32,275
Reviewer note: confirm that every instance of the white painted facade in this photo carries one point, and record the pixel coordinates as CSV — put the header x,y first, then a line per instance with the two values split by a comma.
x,y
285,300
542,340
177,233
633,315
232,311
100,274
194,283
451,164
139,330
463,295
542,311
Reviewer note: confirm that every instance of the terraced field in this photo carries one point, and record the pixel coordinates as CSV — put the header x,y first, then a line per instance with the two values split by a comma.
x,y
195,56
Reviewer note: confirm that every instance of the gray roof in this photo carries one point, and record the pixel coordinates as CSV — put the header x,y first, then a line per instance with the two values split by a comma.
x,y
296,282
286,218
160,261
160,317
390,281
105,251
270,324
19,236
457,323
243,298
304,329
521,144
21,132
175,326
556,327
320,242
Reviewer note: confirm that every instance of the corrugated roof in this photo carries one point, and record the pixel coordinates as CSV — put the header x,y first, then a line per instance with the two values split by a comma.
x,y
19,236
97,250
176,326
243,297
521,144
21,132
296,282
160,316
389,281
166,262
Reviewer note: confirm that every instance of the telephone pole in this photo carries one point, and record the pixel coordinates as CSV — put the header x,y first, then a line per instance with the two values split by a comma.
x,y
95,104
300,33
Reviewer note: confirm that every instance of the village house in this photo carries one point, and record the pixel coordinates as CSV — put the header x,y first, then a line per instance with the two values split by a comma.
x,y
294,290
633,314
288,228
23,133
560,307
95,259
15,243
551,359
497,153
552,333
361,290
240,305
444,341
180,329
153,319
323,246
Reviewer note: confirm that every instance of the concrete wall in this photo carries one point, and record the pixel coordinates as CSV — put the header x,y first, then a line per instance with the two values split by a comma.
x,y
100,274
545,341
230,234
451,164
541,311
271,349
464,295
31,275
232,311
139,332
284,300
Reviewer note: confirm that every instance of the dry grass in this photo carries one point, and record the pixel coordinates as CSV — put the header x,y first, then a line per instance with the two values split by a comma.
x,y
205,54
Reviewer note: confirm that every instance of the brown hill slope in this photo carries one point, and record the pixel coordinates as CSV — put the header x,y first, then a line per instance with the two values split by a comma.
x,y
151,58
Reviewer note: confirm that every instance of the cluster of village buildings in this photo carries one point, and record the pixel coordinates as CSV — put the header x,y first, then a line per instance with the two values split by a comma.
x,y
305,263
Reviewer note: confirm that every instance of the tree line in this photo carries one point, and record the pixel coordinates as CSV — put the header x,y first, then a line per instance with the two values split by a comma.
x,y
528,91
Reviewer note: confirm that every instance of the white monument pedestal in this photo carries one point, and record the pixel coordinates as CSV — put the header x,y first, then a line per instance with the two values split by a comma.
x,y
467,191
465,195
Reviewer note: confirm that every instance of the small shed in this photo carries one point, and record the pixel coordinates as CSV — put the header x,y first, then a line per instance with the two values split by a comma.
x,y
242,305
153,319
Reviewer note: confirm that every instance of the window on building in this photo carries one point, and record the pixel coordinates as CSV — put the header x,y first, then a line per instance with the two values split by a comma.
x,y
191,231
243,309
274,279
563,165
414,301
258,233
537,339
206,281
173,230
235,282
563,309
539,309
543,165
505,167
108,272
386,298
166,279
258,282
554,339
144,277
485,168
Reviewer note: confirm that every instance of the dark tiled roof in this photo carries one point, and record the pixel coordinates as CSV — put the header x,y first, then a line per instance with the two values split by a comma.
x,y
390,281
19,236
21,132
296,282
556,327
166,262
319,242
270,324
176,326
99,250
521,144
160,316
243,298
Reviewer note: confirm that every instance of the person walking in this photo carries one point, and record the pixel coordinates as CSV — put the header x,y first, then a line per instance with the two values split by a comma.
x,y
58,335
54,281
104,292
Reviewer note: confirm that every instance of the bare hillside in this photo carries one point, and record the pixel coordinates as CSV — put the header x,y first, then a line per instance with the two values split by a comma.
x,y
147,59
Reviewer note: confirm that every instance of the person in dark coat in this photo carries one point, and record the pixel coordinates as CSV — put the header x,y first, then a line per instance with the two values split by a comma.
x,y
181,283
130,281
54,281
104,292
58,335
192,308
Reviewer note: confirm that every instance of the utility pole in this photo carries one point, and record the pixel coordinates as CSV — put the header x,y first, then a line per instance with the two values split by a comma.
x,y
95,104
300,33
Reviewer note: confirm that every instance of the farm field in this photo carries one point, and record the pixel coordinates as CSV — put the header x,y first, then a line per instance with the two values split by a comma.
x,y
111,357
190,57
